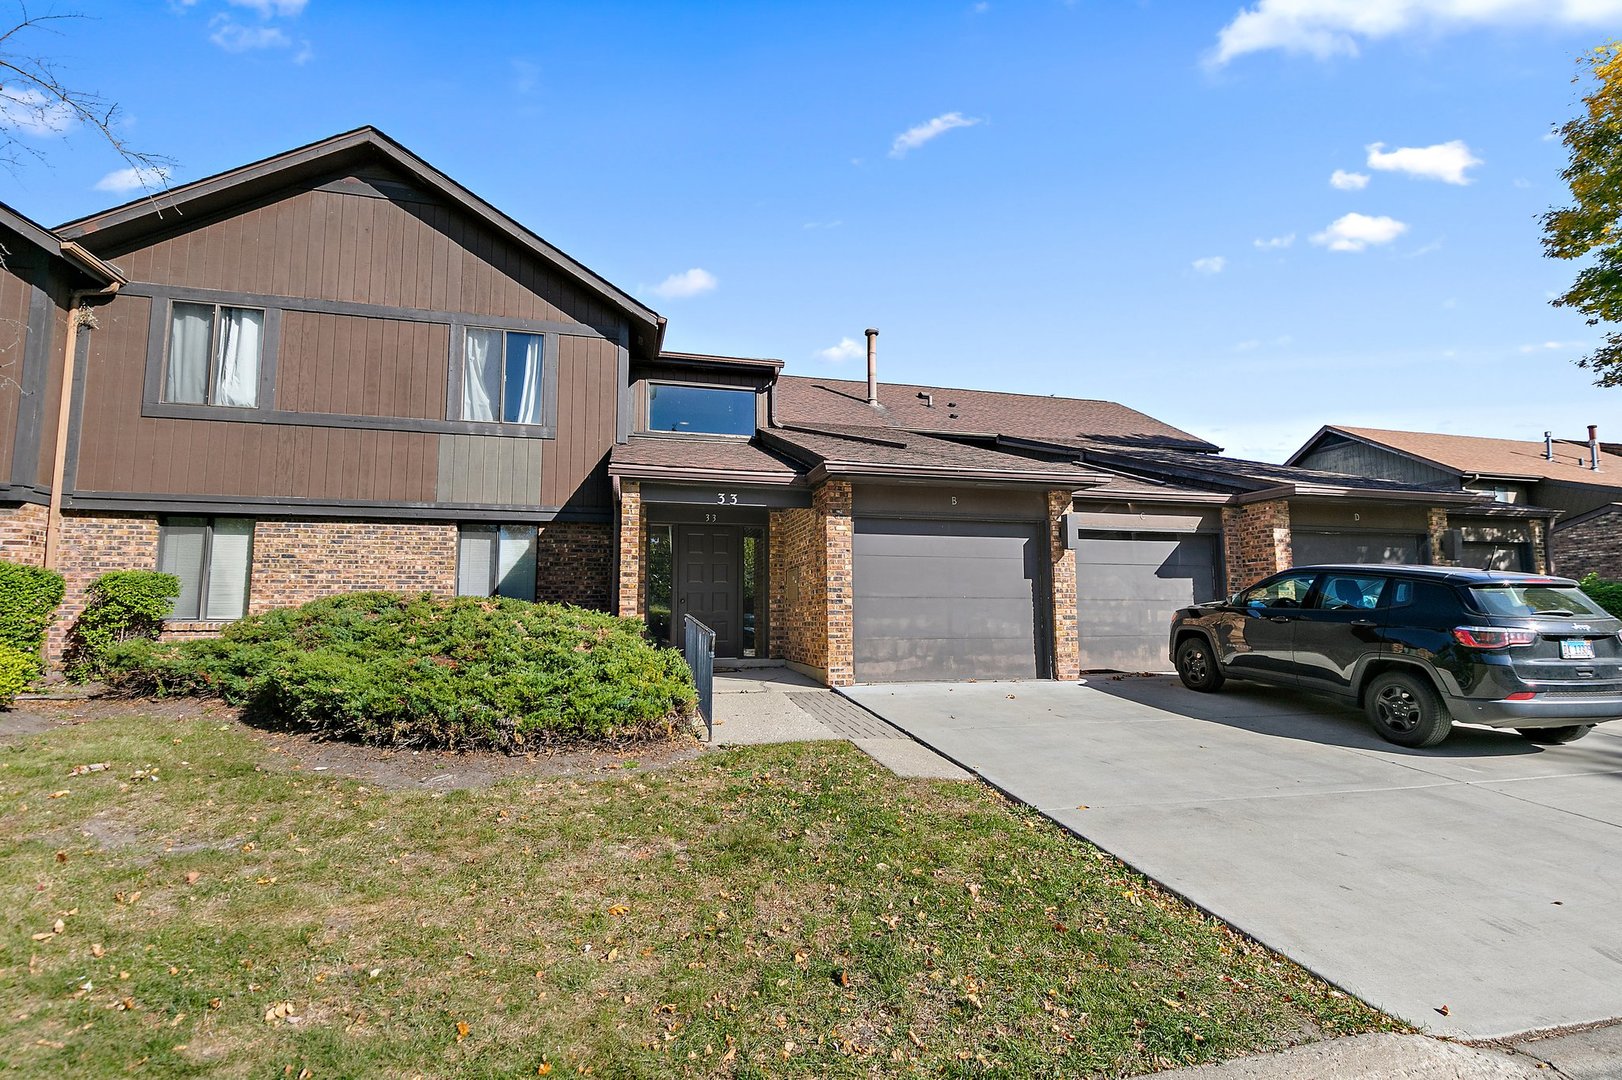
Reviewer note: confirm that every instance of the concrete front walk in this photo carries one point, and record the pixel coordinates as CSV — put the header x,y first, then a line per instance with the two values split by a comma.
x,y
1483,877
776,705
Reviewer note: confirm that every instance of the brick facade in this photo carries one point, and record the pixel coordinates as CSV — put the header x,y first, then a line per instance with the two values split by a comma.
x,y
1255,541
1591,546
1436,528
22,534
632,543
1066,637
1540,547
812,591
295,562
574,564
89,546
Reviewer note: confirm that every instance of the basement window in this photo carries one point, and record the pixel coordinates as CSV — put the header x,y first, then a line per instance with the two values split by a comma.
x,y
700,410
496,560
211,557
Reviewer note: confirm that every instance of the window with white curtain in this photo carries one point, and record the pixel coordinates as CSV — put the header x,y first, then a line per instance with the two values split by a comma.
x,y
496,560
211,557
214,355
501,376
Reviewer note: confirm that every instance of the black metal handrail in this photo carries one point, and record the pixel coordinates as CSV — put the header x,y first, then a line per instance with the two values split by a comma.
x,y
698,648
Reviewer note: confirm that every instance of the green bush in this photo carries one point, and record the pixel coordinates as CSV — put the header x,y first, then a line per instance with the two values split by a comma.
x,y
392,670
28,598
1607,594
123,605
17,670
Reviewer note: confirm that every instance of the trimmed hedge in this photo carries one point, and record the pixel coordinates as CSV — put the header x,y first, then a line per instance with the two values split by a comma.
x,y
416,671
123,605
1607,594
28,599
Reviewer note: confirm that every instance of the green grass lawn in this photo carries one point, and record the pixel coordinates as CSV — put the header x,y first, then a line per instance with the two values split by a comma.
x,y
199,908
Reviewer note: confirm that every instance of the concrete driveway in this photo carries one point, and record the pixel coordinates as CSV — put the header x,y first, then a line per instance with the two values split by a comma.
x,y
1484,875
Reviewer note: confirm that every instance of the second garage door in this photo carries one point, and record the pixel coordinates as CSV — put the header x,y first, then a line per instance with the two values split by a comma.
x,y
1316,548
947,600
1127,588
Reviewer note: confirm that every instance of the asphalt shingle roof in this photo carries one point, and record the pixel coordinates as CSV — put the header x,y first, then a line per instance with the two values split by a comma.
x,y
1494,457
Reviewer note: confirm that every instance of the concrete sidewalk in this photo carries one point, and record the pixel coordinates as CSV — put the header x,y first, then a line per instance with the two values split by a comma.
x,y
775,705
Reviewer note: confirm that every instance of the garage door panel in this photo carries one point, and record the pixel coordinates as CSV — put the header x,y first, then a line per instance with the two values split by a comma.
x,y
945,600
1315,548
1128,588
938,575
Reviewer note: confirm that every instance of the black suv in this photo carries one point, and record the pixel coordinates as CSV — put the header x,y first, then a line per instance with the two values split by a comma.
x,y
1417,647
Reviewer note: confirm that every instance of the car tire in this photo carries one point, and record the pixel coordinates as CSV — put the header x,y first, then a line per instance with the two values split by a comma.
x,y
1197,666
1553,736
1406,709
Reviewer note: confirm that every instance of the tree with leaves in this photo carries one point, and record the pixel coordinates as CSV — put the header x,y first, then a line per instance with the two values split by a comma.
x,y
1592,225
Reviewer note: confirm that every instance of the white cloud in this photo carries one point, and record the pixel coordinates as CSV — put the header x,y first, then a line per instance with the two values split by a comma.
x,y
1355,232
917,135
1553,346
232,36
1444,161
1211,264
133,178
1327,28
692,282
1348,181
306,53
815,225
268,9
32,113
981,8
1274,243
847,349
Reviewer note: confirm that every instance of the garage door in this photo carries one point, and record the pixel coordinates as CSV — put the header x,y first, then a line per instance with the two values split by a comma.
x,y
1127,588
1314,548
946,600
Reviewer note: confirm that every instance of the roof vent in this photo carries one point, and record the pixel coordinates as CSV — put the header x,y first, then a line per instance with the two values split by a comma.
x,y
872,366
1593,447
927,398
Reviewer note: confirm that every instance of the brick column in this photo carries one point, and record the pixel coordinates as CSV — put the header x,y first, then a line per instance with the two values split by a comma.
x,y
1062,560
1255,541
629,603
1437,528
831,502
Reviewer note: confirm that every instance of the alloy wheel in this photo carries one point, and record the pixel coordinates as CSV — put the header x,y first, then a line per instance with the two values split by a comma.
x,y
1399,710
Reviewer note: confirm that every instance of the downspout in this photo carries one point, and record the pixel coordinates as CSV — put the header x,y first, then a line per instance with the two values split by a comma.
x,y
614,482
79,314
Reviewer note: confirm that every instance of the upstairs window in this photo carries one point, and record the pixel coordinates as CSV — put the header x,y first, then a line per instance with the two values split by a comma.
x,y
211,557
214,355
708,410
501,376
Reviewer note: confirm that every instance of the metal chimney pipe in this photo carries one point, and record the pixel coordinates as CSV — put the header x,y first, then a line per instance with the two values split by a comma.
x,y
872,366
1548,445
1593,447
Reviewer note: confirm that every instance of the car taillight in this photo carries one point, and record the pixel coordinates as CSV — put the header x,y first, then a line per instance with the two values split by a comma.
x,y
1487,637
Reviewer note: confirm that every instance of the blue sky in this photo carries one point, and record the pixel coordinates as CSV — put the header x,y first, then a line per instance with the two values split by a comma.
x,y
1088,214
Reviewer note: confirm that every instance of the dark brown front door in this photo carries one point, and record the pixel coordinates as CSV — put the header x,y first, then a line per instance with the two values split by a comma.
x,y
707,581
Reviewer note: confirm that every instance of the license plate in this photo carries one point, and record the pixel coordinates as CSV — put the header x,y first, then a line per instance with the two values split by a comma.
x,y
1576,650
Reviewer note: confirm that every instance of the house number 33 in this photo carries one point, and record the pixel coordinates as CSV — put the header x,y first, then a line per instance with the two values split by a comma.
x,y
726,498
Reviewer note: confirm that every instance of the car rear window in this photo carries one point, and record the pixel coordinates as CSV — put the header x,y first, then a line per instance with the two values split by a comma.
x,y
1523,600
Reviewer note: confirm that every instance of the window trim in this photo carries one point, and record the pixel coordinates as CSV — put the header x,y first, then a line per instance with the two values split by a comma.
x,y
208,565
548,427
167,307
644,411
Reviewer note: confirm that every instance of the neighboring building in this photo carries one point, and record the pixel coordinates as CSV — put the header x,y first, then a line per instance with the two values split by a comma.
x,y
1575,485
337,369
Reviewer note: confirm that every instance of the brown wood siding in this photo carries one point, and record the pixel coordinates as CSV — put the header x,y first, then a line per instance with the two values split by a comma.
x,y
50,406
362,366
123,451
329,245
574,466
344,247
15,292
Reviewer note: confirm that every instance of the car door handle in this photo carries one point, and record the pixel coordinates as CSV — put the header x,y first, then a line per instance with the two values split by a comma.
x,y
1363,622
1281,618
